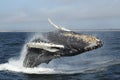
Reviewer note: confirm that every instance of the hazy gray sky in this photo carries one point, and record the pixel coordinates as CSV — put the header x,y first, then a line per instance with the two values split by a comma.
x,y
72,14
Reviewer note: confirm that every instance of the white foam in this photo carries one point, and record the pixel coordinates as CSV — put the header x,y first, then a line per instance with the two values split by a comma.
x,y
17,68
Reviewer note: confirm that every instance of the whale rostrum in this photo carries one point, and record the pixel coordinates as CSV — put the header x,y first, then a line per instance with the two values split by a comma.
x,y
60,43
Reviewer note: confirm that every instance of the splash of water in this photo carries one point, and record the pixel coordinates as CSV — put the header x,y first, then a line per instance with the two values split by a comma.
x,y
16,64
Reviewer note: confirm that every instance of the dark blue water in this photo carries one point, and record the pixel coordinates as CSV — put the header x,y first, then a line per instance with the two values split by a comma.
x,y
100,64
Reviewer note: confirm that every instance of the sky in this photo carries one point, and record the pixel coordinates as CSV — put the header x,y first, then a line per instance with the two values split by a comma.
x,y
32,15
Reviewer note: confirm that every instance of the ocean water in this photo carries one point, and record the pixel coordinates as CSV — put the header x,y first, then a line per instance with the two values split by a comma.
x,y
99,64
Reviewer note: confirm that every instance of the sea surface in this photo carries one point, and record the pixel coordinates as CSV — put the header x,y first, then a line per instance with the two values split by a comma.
x,y
99,64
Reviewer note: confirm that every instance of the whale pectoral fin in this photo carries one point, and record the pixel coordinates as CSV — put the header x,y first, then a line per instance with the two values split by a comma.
x,y
45,46
58,27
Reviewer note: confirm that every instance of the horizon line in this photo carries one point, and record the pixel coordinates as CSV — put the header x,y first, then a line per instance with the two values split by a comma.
x,y
46,30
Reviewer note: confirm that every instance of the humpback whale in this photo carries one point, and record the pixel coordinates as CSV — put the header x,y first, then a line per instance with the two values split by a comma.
x,y
60,43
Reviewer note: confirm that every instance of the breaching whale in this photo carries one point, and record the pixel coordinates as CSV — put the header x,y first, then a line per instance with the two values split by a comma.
x,y
60,43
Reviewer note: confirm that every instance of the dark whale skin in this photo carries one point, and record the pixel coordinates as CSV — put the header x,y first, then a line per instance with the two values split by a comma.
x,y
74,44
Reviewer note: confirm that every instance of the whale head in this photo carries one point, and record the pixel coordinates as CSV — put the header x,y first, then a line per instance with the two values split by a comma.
x,y
82,41
74,43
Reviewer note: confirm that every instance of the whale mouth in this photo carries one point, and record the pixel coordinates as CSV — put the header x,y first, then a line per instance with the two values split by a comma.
x,y
94,46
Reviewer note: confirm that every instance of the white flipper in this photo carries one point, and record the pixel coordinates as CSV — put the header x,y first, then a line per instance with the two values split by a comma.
x,y
46,46
58,27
